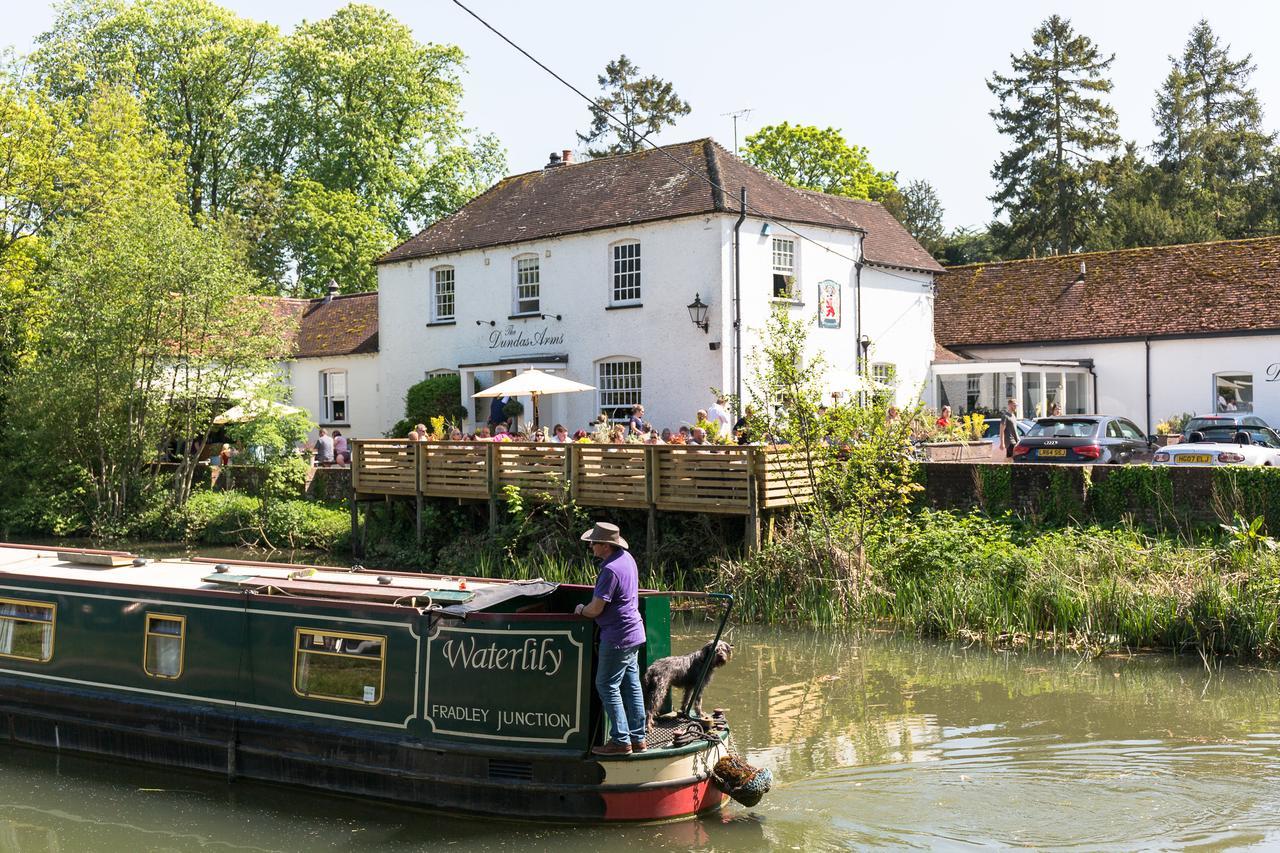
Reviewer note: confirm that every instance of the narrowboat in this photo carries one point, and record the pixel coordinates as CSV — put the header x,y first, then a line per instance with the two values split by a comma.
x,y
456,694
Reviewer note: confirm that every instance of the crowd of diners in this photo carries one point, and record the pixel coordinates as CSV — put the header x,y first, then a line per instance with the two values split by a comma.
x,y
712,425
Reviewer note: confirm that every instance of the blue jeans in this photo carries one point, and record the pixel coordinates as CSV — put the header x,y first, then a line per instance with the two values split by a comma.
x,y
618,683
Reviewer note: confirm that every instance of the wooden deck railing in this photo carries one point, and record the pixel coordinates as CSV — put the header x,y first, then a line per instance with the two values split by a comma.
x,y
713,479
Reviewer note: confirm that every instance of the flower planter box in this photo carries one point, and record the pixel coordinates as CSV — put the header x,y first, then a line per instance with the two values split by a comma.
x,y
958,451
1166,440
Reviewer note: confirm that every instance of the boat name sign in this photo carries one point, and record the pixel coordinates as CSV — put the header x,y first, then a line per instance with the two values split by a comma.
x,y
522,684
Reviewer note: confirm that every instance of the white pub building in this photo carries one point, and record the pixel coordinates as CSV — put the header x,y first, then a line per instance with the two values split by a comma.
x,y
639,275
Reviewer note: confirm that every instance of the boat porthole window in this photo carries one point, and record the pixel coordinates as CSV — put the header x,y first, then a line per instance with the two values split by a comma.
x,y
26,629
339,667
164,651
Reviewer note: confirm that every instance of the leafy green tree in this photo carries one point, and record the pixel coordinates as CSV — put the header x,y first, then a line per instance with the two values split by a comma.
x,y
199,68
1211,142
970,246
644,105
150,331
351,105
59,161
365,125
1052,178
815,159
920,211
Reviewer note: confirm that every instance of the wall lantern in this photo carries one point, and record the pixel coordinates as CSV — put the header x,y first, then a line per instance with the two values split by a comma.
x,y
698,313
766,229
865,344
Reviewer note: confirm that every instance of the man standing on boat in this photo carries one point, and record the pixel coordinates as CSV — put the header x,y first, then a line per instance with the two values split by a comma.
x,y
615,605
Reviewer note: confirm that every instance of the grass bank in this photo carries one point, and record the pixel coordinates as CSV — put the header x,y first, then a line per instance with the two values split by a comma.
x,y
970,576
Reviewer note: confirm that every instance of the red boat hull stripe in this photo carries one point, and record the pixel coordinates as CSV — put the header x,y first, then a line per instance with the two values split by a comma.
x,y
662,803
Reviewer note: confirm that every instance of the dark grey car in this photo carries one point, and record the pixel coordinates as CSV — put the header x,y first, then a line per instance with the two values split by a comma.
x,y
1084,439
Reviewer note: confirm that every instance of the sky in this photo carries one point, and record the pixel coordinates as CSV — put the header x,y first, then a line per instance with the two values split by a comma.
x,y
904,79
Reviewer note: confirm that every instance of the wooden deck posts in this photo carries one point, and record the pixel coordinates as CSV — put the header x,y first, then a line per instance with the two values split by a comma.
x,y
745,481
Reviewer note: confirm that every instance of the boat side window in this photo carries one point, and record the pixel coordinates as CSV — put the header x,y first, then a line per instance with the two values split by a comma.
x,y
163,654
26,629
339,667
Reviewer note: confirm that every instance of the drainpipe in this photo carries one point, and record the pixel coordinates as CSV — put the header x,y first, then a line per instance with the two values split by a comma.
x,y
1147,344
857,310
737,300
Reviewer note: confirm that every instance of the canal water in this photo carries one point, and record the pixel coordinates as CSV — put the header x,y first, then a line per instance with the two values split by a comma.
x,y
874,740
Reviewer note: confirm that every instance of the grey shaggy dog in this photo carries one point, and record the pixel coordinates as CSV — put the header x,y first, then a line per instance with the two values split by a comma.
x,y
681,671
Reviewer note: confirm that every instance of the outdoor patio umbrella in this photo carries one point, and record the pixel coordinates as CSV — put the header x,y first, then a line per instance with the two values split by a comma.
x,y
247,412
534,383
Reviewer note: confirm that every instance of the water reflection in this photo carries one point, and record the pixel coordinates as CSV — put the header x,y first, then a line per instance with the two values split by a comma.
x,y
876,741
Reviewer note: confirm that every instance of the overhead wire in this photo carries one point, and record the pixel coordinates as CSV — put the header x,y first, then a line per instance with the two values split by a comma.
x,y
644,138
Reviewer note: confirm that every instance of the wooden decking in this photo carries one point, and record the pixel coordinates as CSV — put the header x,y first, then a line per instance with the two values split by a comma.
x,y
713,479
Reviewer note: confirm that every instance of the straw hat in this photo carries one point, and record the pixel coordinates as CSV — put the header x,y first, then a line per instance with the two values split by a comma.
x,y
606,533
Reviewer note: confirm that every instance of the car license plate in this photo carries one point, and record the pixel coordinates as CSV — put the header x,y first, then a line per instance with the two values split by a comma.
x,y
1193,458
1052,451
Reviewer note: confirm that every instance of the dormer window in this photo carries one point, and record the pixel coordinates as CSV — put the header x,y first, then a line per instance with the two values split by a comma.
x,y
527,296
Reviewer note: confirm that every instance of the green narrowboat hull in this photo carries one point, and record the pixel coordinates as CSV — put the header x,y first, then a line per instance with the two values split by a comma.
x,y
490,711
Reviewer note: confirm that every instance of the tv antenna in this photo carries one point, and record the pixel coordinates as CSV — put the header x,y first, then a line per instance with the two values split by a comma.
x,y
739,114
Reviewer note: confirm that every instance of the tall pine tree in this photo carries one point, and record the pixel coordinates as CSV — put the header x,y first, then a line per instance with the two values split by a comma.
x,y
1211,144
1051,180
644,105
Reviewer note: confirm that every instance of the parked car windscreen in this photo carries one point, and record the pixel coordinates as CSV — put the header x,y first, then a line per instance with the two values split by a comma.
x,y
1221,421
1063,428
1227,435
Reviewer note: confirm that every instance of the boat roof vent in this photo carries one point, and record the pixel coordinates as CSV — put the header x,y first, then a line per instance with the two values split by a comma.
x,y
98,559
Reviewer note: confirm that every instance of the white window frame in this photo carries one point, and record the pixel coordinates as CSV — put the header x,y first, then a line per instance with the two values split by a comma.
x,y
619,387
328,398
443,371
520,268
777,268
883,377
625,273
438,291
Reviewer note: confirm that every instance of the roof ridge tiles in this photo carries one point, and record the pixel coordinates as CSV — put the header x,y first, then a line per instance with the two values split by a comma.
x,y
1126,250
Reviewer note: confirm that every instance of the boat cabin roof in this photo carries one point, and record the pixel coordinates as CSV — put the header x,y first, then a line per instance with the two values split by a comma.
x,y
455,594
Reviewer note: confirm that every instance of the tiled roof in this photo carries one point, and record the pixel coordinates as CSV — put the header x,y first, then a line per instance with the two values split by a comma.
x,y
1227,286
346,325
941,353
648,186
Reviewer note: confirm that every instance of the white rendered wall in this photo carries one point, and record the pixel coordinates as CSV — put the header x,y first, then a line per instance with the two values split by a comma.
x,y
1182,372
364,409
678,259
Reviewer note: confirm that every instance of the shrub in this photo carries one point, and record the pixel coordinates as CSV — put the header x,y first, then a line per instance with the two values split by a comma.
x,y
439,396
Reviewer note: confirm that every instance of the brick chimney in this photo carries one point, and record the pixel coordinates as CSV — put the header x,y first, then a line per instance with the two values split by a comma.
x,y
566,156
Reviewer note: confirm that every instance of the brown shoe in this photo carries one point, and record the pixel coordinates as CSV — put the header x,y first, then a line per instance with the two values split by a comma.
x,y
639,746
612,748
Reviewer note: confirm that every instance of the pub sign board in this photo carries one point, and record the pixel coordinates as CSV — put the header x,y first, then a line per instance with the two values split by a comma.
x,y
828,304
520,682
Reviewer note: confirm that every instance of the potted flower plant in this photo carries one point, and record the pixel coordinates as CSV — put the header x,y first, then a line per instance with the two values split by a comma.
x,y
960,441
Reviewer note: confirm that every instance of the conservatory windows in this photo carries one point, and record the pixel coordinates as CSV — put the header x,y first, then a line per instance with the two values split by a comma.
x,y
1233,392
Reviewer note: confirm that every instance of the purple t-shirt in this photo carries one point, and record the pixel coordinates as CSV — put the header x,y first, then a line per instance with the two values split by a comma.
x,y
618,586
